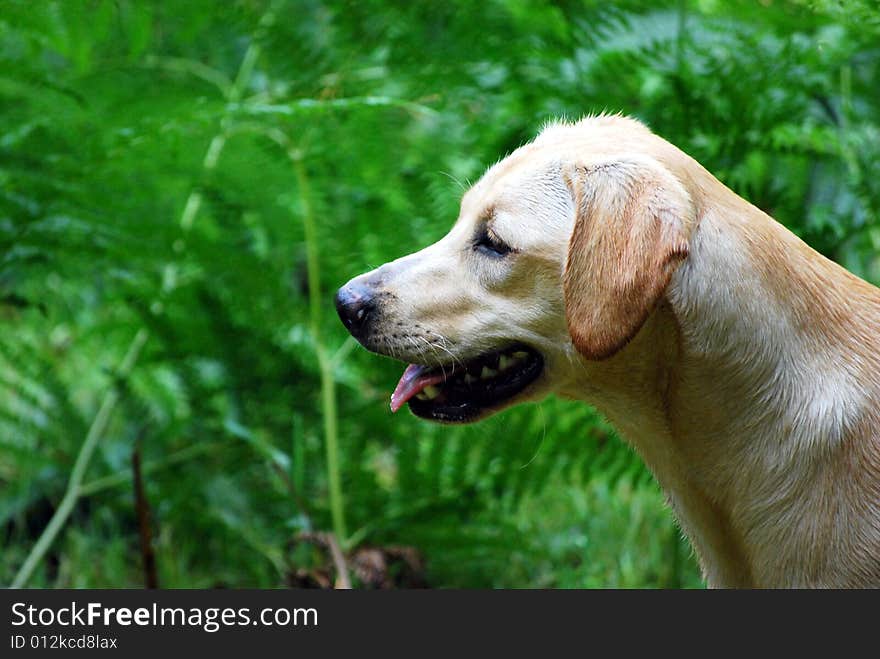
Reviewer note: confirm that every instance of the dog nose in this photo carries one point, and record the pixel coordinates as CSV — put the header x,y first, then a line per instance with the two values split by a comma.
x,y
355,304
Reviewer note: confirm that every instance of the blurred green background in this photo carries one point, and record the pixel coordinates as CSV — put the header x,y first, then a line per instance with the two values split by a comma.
x,y
184,185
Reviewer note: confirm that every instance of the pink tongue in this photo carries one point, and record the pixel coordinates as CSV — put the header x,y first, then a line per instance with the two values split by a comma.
x,y
411,383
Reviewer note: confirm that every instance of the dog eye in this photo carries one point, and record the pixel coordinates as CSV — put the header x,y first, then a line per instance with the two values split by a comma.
x,y
490,244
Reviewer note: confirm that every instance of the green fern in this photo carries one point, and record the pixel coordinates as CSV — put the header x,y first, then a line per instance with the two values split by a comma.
x,y
107,111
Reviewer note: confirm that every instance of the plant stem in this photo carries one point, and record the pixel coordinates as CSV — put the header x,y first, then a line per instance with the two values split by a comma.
x,y
111,398
71,495
328,404
297,457
123,477
312,264
144,518
325,362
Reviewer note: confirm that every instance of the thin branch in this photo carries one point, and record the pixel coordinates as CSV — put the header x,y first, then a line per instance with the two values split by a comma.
x,y
111,398
343,581
302,105
144,515
329,541
96,431
328,381
344,350
190,67
123,477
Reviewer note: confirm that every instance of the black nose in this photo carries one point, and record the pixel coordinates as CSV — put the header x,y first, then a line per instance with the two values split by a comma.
x,y
355,304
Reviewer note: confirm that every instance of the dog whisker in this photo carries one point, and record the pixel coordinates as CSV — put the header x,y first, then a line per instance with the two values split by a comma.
x,y
442,338
436,356
445,345
419,350
431,346
455,360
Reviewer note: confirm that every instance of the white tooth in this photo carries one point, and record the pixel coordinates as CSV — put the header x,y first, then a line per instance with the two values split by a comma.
x,y
421,396
519,354
504,362
431,392
469,379
488,373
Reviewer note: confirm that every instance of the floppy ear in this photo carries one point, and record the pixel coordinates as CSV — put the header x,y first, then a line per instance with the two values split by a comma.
x,y
632,224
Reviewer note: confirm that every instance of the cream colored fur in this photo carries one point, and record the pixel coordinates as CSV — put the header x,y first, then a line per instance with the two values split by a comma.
x,y
743,366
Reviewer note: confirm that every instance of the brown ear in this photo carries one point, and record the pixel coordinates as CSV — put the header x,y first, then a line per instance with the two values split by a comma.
x,y
632,224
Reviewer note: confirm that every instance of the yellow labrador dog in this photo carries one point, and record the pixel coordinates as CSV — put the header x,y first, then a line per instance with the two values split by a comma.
x,y
602,263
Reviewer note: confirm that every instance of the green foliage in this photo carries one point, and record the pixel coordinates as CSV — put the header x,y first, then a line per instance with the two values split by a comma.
x,y
160,167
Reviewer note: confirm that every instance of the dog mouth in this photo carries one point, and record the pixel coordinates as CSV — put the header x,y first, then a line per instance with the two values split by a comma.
x,y
460,392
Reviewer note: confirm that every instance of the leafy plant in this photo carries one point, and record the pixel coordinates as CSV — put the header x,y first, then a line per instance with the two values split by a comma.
x,y
183,188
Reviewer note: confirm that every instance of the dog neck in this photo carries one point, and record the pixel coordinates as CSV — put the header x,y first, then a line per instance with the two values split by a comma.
x,y
748,395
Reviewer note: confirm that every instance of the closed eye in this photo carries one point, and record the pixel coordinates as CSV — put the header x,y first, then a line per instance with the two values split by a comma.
x,y
489,244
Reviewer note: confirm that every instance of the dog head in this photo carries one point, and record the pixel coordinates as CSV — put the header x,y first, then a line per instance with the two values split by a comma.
x,y
560,253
